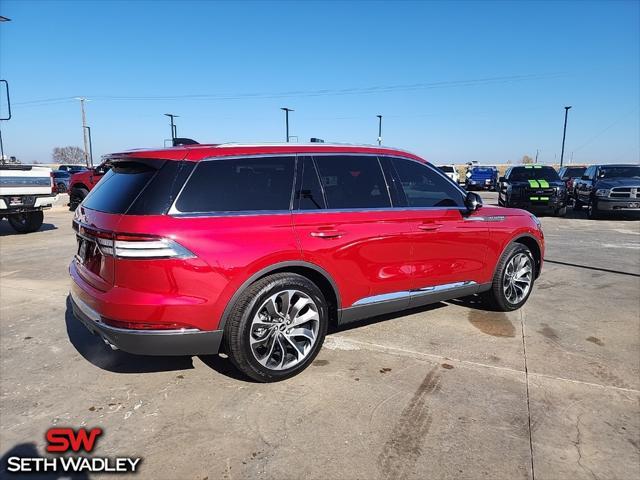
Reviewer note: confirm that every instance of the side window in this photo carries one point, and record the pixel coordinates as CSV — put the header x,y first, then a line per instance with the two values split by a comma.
x,y
424,187
590,172
352,181
507,174
241,184
309,194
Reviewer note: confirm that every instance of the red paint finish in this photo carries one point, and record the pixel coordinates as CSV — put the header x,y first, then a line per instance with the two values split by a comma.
x,y
364,253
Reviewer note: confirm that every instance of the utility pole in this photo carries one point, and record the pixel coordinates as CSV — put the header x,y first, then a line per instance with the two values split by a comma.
x,y
174,129
537,151
379,129
286,120
84,131
564,133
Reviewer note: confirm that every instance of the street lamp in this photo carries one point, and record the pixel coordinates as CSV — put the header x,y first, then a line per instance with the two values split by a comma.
x,y
286,119
379,129
564,133
174,129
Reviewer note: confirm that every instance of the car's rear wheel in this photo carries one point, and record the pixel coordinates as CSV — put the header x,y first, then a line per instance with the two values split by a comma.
x,y
276,328
26,222
513,279
76,196
62,188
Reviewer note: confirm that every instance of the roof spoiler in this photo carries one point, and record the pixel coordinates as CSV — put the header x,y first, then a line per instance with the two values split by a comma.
x,y
179,141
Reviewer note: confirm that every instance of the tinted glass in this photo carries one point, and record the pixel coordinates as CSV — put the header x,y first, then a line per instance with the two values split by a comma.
x,y
572,172
61,174
446,169
241,184
423,187
309,194
620,172
352,182
483,170
119,187
532,173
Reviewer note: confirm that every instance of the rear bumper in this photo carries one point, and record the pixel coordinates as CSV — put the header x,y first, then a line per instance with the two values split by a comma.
x,y
147,342
38,202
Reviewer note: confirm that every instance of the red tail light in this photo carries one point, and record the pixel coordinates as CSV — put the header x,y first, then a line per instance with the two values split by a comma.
x,y
135,246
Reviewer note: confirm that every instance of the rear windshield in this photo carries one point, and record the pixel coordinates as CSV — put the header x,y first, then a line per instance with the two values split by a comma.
x,y
482,170
573,172
446,169
534,173
143,187
240,184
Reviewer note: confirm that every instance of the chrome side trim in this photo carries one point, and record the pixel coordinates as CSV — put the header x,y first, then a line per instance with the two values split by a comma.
x,y
386,297
493,218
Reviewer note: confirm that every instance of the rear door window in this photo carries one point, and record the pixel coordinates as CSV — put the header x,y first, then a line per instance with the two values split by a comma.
x,y
351,181
240,184
309,195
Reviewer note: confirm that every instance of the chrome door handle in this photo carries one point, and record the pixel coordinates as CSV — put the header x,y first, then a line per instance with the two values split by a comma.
x,y
328,234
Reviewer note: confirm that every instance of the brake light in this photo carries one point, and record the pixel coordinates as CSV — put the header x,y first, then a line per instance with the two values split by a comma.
x,y
127,245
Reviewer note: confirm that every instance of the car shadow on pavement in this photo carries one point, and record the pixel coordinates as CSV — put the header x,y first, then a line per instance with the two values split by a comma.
x,y
6,229
93,349
475,302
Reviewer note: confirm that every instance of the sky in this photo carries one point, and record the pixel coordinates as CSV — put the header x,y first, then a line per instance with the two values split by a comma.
x,y
454,81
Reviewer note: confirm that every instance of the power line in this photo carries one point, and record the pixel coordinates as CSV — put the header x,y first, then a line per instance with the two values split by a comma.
x,y
321,92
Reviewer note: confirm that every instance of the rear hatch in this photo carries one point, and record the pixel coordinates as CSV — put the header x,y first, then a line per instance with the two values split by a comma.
x,y
132,187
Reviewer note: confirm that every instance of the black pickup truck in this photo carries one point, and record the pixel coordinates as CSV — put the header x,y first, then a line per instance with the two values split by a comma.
x,y
609,189
535,188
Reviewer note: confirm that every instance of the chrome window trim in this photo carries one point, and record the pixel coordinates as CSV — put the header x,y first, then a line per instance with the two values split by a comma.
x,y
174,212
386,297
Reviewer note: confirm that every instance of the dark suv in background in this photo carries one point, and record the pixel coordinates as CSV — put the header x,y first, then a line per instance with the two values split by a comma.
x,y
609,189
569,175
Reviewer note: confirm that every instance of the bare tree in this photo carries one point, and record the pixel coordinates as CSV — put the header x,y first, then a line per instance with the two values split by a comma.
x,y
72,155
527,159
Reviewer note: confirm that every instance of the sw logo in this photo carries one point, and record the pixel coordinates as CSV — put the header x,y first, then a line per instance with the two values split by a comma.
x,y
67,440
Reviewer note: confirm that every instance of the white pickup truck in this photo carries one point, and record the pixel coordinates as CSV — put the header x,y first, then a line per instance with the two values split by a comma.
x,y
25,191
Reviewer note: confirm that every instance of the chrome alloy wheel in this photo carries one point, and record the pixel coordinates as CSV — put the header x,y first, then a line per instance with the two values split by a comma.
x,y
284,329
517,278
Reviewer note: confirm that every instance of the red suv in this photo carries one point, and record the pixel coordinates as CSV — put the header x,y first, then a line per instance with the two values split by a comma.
x,y
255,249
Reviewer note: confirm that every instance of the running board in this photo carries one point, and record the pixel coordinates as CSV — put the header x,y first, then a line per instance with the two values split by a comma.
x,y
398,301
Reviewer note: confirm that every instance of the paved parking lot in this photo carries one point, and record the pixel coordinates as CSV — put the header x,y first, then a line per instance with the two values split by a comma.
x,y
447,391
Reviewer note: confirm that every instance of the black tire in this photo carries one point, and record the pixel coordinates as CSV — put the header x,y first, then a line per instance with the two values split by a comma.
x,y
26,222
61,188
592,210
76,196
560,212
495,297
577,205
237,330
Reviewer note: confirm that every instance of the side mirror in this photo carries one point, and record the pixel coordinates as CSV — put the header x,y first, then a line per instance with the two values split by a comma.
x,y
502,179
473,201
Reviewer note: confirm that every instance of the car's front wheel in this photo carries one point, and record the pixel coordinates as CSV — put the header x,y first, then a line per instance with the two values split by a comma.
x,y
593,213
513,279
277,327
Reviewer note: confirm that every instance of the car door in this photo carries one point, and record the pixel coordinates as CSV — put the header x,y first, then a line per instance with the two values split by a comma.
x,y
345,224
448,245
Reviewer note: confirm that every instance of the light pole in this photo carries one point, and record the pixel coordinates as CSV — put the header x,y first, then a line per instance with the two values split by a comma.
x,y
564,133
379,129
174,129
84,130
286,119
90,144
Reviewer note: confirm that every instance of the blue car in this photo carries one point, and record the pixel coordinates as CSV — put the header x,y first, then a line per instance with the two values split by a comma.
x,y
482,178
